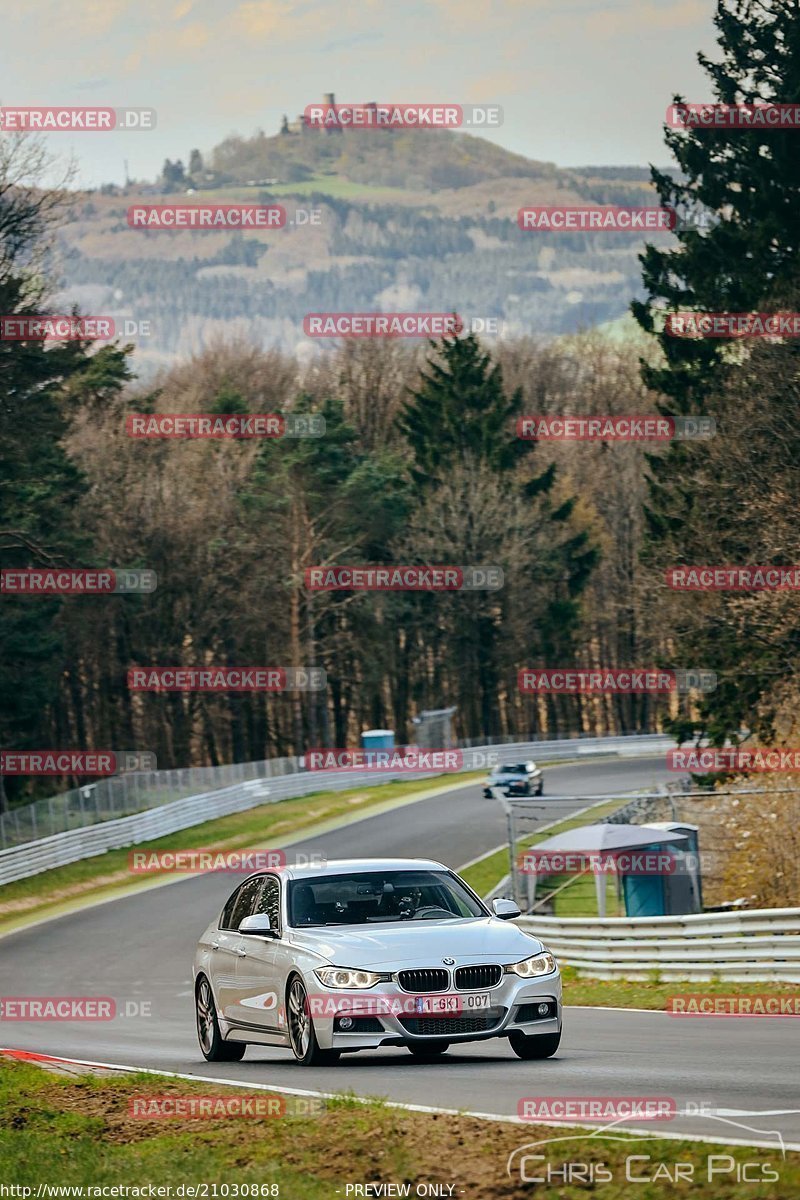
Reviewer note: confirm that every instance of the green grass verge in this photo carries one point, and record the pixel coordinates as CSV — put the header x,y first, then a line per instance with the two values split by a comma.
x,y
68,1132
654,993
269,825
579,897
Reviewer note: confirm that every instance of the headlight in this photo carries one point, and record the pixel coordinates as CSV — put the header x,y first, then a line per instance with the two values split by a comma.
x,y
542,964
343,977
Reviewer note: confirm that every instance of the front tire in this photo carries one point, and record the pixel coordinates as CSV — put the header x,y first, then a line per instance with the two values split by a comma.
x,y
212,1043
302,1036
543,1046
430,1051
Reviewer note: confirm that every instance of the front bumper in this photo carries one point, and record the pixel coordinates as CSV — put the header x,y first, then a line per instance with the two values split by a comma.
x,y
515,789
513,1003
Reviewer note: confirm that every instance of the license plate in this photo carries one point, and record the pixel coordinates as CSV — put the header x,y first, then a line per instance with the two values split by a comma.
x,y
464,1002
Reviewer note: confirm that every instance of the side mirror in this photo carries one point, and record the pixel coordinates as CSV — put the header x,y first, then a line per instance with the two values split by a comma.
x,y
505,909
258,925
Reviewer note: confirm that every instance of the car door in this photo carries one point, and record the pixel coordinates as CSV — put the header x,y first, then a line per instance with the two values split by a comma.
x,y
227,944
259,995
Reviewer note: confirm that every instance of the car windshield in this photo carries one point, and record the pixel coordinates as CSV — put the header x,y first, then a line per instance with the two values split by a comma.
x,y
366,897
514,769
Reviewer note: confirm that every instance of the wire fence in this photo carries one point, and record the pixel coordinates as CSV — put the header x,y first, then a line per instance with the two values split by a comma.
x,y
733,862
135,792
125,795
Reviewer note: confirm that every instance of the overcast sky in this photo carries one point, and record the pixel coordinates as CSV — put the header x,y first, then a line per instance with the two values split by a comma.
x,y
580,81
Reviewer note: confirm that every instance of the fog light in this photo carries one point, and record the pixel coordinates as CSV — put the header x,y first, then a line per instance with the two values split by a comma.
x,y
345,1022
543,1010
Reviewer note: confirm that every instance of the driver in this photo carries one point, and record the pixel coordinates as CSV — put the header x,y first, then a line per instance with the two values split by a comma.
x,y
408,903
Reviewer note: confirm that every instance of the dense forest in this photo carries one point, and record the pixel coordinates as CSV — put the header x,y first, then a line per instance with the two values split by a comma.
x,y
420,463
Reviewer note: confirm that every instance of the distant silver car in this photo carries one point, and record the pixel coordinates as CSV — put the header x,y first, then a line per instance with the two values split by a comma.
x,y
369,953
515,779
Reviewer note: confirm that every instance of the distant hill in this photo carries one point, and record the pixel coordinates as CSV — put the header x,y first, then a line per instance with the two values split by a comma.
x,y
407,221
418,159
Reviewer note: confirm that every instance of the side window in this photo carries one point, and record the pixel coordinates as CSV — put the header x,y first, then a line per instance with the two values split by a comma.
x,y
227,912
269,901
242,904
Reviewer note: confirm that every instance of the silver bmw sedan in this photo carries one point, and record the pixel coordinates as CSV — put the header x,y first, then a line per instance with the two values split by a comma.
x,y
366,953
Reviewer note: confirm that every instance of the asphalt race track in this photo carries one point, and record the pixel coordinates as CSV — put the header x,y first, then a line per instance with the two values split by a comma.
x,y
139,948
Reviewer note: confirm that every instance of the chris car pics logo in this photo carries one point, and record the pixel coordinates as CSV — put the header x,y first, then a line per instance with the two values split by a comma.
x,y
556,1162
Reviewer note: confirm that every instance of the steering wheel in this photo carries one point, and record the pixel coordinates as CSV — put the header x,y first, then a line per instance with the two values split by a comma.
x,y
430,908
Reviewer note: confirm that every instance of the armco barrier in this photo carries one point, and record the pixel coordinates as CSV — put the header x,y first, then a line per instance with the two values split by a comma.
x,y
63,848
33,857
132,792
760,944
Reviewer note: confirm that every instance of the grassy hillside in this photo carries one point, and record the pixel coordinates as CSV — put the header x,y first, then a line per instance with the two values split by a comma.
x,y
407,221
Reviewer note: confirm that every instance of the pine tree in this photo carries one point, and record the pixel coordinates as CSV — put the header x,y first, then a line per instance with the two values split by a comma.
x,y
703,507
40,491
461,421
461,414
749,179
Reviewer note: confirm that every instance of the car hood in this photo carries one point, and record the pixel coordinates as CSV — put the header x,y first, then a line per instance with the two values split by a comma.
x,y
419,943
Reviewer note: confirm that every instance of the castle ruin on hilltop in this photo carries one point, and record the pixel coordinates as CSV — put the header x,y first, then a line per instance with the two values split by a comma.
x,y
300,125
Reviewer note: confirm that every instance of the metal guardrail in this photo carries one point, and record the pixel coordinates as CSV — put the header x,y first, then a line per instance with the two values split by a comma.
x,y
133,792
287,782
63,848
123,795
757,944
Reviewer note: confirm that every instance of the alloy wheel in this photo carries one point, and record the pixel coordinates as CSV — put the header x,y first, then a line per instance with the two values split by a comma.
x,y
299,1019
